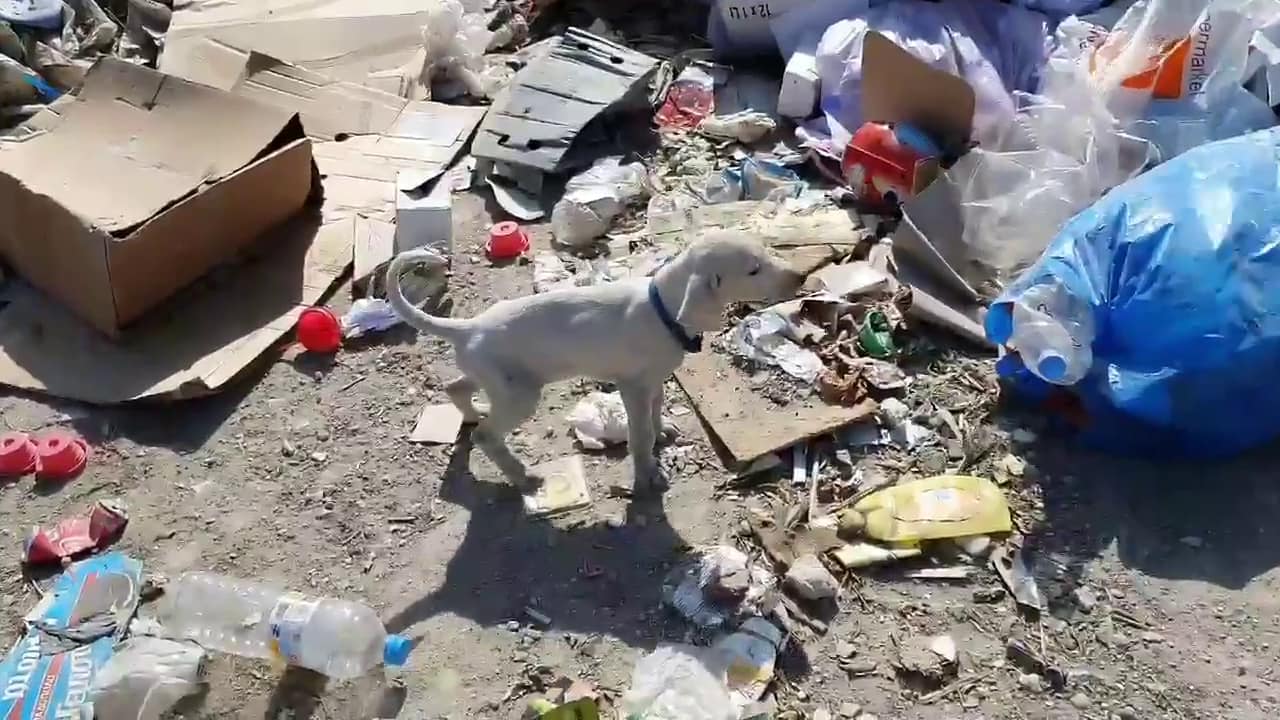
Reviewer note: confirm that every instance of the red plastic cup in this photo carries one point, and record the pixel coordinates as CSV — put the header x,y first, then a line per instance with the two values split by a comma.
x,y
319,330
17,455
506,240
62,455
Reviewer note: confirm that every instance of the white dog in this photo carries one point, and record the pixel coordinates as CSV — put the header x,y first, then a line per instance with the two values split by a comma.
x,y
633,334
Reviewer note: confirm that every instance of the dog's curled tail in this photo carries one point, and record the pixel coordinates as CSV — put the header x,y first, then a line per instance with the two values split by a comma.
x,y
448,328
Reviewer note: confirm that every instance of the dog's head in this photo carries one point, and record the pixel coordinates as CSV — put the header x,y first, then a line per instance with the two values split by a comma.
x,y
726,269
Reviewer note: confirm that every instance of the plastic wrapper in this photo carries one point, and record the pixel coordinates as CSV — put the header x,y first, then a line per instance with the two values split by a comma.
x,y
593,198
675,682
1179,267
369,315
1123,89
719,584
747,126
146,677
599,421
762,337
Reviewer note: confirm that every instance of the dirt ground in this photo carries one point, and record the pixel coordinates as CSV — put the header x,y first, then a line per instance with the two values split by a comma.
x,y
302,475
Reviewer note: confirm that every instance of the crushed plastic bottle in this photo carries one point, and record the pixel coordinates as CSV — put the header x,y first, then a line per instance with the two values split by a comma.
x,y
1052,331
338,638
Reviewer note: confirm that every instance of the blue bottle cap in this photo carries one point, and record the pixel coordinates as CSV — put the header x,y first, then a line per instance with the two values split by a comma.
x,y
1052,367
395,651
999,323
916,139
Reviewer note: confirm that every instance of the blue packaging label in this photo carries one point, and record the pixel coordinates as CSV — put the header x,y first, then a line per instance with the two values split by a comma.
x,y
71,633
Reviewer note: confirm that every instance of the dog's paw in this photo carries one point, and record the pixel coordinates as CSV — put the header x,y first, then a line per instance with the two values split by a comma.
x,y
650,482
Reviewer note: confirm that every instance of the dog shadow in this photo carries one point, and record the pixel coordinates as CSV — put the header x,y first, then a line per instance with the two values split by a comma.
x,y
592,578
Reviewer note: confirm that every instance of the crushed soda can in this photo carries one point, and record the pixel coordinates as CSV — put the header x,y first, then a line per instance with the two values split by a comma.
x,y
78,535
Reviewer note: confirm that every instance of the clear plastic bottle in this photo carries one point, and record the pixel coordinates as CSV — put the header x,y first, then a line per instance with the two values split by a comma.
x,y
1051,329
338,638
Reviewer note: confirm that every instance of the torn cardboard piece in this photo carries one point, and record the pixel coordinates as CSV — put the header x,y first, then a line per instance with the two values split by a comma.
x,y
169,179
367,42
898,87
374,248
437,425
195,344
367,140
543,119
564,487
748,424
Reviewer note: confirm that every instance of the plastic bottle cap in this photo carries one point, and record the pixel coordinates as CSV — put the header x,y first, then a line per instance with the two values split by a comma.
x,y
999,323
1051,366
396,650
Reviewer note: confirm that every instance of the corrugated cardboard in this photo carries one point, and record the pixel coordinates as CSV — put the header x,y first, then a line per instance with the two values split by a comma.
x,y
191,346
365,138
898,87
140,186
367,42
541,119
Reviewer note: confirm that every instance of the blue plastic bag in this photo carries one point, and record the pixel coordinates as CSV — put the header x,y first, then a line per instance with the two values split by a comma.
x,y
1181,267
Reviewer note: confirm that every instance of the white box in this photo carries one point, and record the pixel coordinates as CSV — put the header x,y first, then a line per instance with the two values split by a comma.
x,y
799,94
424,219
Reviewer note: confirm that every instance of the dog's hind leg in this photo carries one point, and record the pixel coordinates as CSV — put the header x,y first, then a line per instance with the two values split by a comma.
x,y
510,404
462,393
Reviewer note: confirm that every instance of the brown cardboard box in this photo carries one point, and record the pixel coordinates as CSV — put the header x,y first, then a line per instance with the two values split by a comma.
x,y
140,185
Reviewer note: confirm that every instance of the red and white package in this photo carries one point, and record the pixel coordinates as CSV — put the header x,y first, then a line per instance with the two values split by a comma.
x,y
78,535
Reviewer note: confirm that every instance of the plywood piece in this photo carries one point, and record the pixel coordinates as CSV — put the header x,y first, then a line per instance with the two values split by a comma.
x,y
748,424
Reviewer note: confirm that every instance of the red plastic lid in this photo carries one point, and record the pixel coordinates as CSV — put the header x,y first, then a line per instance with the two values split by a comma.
x,y
507,240
17,455
319,330
63,455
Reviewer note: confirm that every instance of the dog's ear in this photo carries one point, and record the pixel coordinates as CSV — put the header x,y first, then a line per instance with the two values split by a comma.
x,y
701,307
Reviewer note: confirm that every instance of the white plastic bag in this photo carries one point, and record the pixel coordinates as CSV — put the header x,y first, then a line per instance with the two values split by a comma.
x,y
674,682
593,198
145,677
599,420
1123,89
369,315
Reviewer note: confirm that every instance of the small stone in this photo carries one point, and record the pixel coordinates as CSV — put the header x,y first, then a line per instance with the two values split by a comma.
x,y
286,448
850,710
988,595
1192,541
846,649
1086,599
512,626
1244,666
1152,637
810,579
868,716
1031,682
322,434
945,647
821,714
1080,701
319,456
1013,465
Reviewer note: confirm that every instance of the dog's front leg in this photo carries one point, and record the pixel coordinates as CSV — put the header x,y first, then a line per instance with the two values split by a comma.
x,y
638,399
663,429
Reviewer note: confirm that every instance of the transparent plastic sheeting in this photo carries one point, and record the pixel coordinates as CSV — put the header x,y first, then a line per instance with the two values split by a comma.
x,y
1181,268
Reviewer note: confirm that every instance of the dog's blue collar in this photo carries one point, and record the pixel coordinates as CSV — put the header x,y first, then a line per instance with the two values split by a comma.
x,y
690,343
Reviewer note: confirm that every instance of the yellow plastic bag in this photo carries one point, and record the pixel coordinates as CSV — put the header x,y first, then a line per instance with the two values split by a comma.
x,y
947,506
